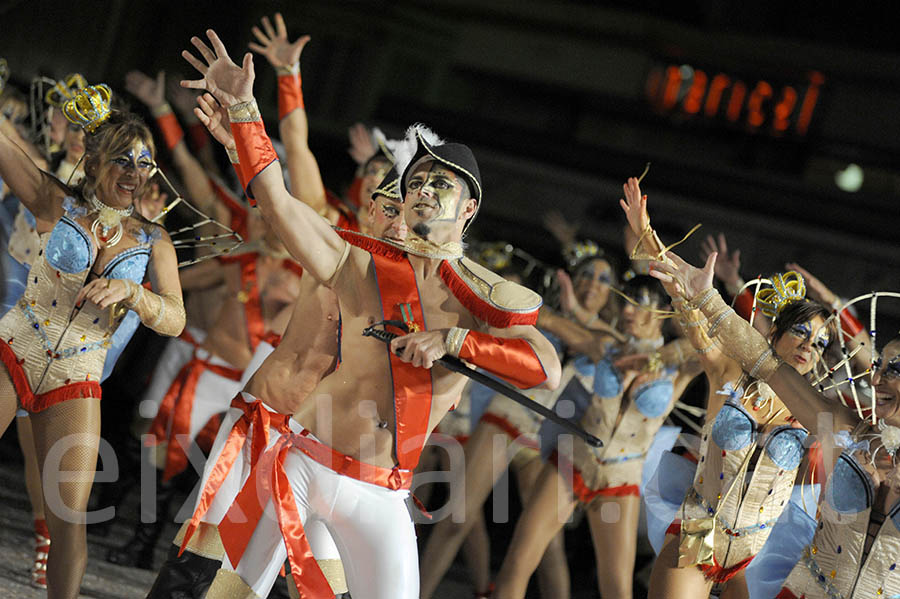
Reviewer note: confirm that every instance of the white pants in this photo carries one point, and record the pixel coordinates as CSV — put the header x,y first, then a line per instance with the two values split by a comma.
x,y
317,534
370,525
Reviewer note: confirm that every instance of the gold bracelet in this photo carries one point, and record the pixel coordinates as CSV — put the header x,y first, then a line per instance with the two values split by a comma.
x,y
293,69
244,112
233,155
137,293
161,110
454,341
701,299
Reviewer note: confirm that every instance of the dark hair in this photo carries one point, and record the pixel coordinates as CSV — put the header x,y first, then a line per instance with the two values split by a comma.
x,y
799,312
641,284
113,137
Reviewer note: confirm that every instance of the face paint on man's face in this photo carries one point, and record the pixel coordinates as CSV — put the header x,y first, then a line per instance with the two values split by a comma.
x,y
433,195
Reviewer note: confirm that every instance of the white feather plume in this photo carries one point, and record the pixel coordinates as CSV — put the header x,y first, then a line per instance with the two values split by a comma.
x,y
406,148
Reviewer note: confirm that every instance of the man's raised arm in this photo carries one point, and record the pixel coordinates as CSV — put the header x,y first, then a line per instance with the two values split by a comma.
x,y
306,235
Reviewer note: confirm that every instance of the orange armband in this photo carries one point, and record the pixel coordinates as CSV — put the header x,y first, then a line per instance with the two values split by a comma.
x,y
168,125
513,360
254,148
290,90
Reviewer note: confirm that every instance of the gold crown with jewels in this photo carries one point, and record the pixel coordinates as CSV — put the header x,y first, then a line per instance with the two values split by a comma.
x,y
65,89
89,107
786,288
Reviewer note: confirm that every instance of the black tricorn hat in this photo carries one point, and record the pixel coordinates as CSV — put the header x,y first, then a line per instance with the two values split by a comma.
x,y
389,186
456,156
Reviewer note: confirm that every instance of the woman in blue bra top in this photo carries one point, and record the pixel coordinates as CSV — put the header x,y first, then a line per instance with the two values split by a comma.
x,y
856,547
743,490
626,406
87,275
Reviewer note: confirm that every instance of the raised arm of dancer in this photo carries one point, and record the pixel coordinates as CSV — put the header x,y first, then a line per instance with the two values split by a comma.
x,y
37,190
284,56
152,92
739,340
307,236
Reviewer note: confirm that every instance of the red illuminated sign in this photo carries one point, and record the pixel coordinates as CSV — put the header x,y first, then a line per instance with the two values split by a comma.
x,y
775,109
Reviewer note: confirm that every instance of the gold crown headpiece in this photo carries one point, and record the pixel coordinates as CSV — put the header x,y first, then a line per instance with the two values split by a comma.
x,y
65,89
577,251
786,288
4,74
495,255
89,107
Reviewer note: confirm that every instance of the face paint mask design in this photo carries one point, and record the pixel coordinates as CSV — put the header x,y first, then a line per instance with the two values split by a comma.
x,y
804,331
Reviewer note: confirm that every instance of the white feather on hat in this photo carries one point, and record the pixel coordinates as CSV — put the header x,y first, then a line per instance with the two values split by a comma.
x,y
407,147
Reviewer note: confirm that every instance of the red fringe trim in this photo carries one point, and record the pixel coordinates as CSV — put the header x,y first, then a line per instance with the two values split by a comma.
x,y
509,429
372,245
42,401
585,494
492,315
784,593
717,573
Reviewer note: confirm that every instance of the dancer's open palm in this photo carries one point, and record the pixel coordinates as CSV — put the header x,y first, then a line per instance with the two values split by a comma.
x,y
214,119
680,279
274,43
229,83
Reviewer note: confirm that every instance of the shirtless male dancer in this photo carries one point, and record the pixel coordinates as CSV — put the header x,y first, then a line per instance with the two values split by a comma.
x,y
366,423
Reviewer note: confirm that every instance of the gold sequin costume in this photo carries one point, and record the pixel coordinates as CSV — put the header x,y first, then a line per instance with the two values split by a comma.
x,y
832,566
627,425
52,349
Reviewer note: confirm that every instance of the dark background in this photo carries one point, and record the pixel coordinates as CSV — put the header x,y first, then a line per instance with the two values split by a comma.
x,y
558,102
553,97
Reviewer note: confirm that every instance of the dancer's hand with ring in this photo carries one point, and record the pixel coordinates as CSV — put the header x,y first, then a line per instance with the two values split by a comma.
x,y
680,279
104,292
421,349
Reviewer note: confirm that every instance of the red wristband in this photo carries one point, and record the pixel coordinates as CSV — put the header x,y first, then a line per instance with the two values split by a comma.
x,y
170,129
513,360
290,94
255,152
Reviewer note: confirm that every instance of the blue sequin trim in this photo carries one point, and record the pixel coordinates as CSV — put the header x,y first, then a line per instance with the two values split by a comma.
x,y
819,576
735,532
784,446
734,428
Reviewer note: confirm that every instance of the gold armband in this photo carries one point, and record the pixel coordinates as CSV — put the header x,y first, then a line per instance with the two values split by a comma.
x,y
738,338
292,69
163,313
233,155
453,342
244,112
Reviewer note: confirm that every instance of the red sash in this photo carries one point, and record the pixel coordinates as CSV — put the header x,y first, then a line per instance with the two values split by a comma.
x,y
268,480
261,419
176,408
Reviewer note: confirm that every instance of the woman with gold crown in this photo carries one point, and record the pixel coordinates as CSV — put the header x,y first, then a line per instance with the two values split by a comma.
x,y
87,275
737,492
855,546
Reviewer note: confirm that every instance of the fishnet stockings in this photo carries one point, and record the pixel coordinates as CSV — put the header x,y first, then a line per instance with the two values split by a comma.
x,y
32,472
76,424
